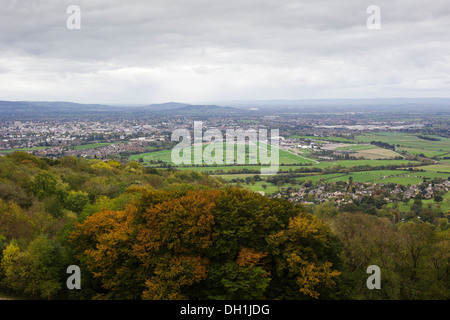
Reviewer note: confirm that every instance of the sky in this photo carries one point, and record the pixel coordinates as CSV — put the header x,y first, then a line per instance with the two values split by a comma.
x,y
199,51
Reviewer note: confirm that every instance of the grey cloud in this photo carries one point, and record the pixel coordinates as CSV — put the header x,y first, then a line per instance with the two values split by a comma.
x,y
276,48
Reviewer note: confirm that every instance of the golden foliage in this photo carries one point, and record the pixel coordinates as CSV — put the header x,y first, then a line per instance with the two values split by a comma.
x,y
249,257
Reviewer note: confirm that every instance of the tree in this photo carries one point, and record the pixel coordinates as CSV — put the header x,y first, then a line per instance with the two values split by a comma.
x,y
366,240
303,252
103,243
197,244
424,261
174,242
37,270
326,209
415,239
7,266
44,184
239,280
416,207
14,222
76,201
151,250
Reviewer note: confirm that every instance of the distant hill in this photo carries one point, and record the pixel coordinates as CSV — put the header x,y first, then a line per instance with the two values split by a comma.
x,y
20,110
43,109
188,109
165,106
342,105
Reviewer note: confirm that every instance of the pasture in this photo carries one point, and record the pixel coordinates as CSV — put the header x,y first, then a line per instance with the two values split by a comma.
x,y
285,157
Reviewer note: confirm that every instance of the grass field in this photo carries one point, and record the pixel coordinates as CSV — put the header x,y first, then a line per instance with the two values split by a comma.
x,y
352,163
357,147
408,141
163,155
426,153
444,205
270,188
285,157
376,153
23,149
80,147
332,139
437,168
290,161
229,177
403,177
378,176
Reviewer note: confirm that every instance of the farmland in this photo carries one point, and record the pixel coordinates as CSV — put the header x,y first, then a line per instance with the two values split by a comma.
x,y
333,139
23,149
437,168
293,163
410,143
285,157
369,163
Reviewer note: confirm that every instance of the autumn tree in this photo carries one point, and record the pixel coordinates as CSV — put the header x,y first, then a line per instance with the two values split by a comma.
x,y
103,243
173,242
304,253
229,244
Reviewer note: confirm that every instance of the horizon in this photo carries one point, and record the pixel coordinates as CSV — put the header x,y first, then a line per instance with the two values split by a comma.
x,y
267,102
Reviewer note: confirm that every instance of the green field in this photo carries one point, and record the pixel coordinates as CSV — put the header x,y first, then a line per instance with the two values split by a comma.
x,y
378,176
23,149
409,141
285,157
332,139
403,177
163,155
426,153
437,168
270,188
229,177
80,147
357,147
236,169
290,161
353,163
444,205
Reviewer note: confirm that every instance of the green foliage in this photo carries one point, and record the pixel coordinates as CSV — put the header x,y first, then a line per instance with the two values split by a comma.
x,y
44,185
238,282
76,201
35,271
413,258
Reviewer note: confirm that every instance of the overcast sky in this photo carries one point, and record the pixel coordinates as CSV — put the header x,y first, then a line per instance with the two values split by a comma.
x,y
152,51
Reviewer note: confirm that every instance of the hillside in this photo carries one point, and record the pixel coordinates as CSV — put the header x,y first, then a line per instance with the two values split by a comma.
x,y
146,233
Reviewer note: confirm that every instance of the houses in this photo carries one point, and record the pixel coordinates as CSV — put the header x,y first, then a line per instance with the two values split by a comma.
x,y
343,194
